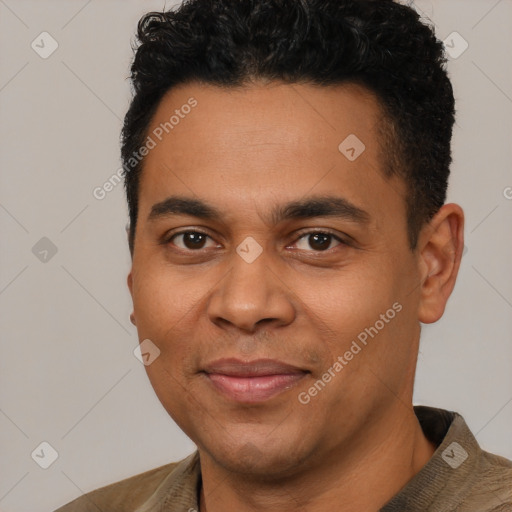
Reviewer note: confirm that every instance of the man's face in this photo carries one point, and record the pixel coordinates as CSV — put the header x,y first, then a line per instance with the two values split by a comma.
x,y
306,254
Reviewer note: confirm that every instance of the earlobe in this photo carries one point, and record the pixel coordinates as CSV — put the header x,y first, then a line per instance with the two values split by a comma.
x,y
442,242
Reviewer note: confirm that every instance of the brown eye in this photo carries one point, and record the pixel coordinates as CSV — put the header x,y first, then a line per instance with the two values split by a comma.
x,y
318,241
191,240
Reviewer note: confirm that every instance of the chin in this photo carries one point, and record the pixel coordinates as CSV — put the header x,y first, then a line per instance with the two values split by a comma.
x,y
263,458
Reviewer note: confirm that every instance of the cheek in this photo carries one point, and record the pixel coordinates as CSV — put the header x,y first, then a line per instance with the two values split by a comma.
x,y
170,389
162,301
360,318
167,312
344,306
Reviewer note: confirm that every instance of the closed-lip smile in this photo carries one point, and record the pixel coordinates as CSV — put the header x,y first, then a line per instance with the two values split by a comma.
x,y
252,381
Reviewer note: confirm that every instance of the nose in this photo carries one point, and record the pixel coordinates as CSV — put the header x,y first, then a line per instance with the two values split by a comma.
x,y
250,296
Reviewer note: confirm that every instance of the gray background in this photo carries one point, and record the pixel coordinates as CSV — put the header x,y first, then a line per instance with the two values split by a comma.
x,y
68,373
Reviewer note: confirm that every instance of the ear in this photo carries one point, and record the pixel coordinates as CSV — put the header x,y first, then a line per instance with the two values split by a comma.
x,y
129,281
127,229
440,246
130,287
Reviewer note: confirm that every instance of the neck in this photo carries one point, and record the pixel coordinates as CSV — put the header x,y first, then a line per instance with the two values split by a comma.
x,y
364,473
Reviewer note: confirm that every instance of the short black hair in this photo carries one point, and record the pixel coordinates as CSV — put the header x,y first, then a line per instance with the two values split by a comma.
x,y
379,44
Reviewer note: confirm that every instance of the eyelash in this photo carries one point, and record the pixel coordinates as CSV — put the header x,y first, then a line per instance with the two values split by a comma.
x,y
303,234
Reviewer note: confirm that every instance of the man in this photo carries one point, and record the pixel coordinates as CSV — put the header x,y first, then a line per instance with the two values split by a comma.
x,y
286,165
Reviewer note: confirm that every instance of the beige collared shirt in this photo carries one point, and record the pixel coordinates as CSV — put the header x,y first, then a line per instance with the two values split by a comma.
x,y
460,477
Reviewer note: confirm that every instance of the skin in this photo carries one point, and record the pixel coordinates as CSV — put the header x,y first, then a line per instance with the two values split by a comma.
x,y
246,151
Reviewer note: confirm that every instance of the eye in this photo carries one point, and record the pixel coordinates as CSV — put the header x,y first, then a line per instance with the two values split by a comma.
x,y
318,241
191,240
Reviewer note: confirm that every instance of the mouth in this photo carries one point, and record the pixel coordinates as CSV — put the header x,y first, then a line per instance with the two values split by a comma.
x,y
253,381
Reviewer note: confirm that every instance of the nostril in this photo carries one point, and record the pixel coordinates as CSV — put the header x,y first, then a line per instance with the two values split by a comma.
x,y
265,321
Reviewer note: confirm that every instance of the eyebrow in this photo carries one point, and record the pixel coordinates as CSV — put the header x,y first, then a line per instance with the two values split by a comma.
x,y
318,206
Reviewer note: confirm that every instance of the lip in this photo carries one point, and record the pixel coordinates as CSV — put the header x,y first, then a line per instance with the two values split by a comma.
x,y
252,381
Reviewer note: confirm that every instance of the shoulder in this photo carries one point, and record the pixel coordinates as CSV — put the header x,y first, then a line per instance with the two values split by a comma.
x,y
460,476
126,495
477,479
493,484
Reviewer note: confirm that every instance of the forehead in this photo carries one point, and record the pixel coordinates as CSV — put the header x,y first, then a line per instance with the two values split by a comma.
x,y
298,117
266,141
